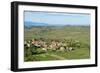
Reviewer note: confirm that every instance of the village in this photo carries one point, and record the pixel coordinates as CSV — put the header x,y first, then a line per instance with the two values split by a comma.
x,y
53,45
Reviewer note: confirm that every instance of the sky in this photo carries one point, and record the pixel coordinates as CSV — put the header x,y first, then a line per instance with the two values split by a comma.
x,y
57,18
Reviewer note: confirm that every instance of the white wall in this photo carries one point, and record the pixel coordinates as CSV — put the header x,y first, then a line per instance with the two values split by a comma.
x,y
5,35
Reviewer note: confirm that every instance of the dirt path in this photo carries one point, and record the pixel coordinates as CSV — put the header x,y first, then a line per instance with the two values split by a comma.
x,y
59,57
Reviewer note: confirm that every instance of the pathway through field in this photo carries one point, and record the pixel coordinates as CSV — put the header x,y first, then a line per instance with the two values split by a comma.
x,y
56,56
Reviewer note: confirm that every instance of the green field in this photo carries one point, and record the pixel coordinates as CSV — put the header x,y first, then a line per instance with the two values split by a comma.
x,y
63,34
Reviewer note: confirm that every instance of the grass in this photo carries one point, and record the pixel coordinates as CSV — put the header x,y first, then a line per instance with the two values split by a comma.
x,y
82,53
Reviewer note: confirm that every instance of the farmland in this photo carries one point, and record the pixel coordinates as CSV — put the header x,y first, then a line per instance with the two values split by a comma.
x,y
65,34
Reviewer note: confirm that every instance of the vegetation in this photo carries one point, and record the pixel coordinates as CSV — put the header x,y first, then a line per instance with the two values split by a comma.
x,y
43,43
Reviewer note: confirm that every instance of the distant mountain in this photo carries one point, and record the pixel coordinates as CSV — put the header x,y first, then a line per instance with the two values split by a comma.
x,y
31,24
28,24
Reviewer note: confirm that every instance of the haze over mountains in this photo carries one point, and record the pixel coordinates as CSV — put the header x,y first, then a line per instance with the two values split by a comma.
x,y
28,24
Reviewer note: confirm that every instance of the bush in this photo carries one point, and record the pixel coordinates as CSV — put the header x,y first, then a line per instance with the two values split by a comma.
x,y
72,43
37,51
27,52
